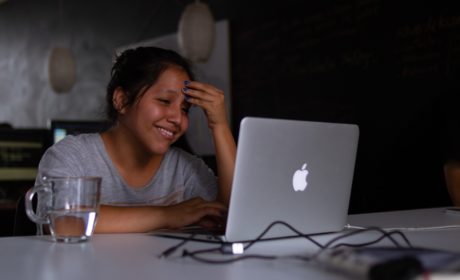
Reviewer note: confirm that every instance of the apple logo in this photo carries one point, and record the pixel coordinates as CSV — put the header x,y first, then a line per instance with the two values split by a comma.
x,y
299,179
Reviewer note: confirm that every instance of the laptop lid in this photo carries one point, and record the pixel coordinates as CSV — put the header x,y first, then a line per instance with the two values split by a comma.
x,y
298,172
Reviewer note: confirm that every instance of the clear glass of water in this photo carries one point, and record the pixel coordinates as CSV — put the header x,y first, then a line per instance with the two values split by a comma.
x,y
68,205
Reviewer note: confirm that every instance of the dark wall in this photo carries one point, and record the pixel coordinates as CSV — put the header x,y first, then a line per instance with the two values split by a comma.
x,y
384,65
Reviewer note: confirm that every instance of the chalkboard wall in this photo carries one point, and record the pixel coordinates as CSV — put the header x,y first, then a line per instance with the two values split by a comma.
x,y
384,65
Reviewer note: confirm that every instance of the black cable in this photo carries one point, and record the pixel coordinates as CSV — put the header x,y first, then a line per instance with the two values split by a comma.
x,y
383,236
359,231
193,254
223,248
299,234
383,232
169,251
172,249
360,244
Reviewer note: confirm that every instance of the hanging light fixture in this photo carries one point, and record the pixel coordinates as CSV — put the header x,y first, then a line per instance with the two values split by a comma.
x,y
62,70
196,32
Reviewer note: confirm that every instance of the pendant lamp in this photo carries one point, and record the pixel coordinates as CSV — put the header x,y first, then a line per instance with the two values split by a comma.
x,y
196,32
62,69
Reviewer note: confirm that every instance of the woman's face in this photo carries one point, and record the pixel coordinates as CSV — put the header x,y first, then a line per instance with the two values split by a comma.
x,y
160,116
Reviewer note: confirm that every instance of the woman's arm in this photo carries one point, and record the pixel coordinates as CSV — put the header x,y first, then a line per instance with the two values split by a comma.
x,y
452,177
225,159
212,101
114,219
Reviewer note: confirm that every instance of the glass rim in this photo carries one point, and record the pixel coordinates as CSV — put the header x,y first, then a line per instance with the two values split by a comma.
x,y
62,178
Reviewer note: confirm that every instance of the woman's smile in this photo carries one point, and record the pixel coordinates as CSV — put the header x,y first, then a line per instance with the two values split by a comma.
x,y
166,133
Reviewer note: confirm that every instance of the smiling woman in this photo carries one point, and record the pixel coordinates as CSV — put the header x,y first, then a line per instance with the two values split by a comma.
x,y
147,184
162,109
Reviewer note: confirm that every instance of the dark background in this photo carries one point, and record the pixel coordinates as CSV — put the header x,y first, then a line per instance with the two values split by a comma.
x,y
388,66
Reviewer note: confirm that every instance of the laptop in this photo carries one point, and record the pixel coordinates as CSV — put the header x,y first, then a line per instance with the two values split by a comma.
x,y
296,172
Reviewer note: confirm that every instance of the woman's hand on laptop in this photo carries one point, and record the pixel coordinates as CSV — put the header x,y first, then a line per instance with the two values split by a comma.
x,y
213,222
193,211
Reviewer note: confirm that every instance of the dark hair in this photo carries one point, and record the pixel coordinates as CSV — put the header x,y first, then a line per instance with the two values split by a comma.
x,y
136,70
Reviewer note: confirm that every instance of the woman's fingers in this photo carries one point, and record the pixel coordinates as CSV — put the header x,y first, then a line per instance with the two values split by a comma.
x,y
210,99
203,87
202,97
193,210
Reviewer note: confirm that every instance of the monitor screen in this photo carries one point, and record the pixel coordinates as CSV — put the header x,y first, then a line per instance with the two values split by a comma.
x,y
62,128
20,153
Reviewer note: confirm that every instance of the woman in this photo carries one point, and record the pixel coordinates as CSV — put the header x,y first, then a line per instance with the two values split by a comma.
x,y
147,184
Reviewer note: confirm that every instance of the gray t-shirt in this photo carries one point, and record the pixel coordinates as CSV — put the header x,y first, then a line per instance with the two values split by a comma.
x,y
181,176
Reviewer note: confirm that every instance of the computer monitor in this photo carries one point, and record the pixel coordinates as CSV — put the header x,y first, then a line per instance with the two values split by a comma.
x,y
20,153
62,128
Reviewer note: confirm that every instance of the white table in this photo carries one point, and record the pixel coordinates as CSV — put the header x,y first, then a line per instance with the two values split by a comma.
x,y
431,228
135,256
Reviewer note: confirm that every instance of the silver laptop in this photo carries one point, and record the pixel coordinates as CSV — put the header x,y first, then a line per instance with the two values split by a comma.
x,y
297,172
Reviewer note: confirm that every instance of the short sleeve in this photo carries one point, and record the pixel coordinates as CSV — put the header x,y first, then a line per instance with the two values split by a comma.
x,y
61,160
